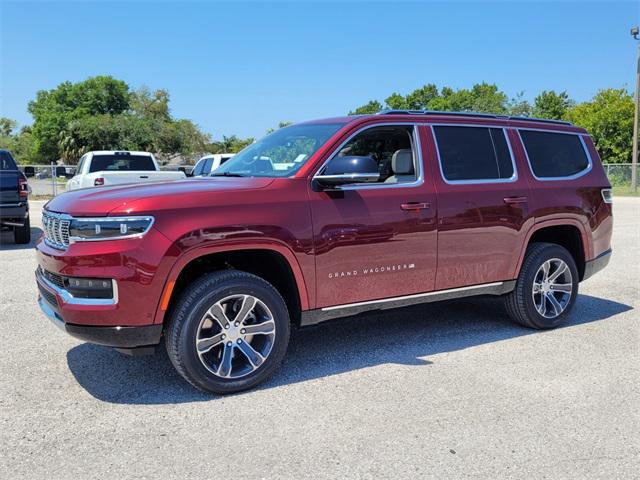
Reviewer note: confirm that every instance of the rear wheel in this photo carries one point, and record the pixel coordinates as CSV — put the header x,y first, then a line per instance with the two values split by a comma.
x,y
229,332
546,288
22,235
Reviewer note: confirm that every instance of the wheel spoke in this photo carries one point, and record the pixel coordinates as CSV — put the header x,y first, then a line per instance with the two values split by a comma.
x,y
217,313
542,308
545,270
254,357
206,344
559,271
537,287
248,303
224,369
263,328
557,308
562,287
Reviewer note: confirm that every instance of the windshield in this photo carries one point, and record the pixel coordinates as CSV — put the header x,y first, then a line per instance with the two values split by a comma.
x,y
279,154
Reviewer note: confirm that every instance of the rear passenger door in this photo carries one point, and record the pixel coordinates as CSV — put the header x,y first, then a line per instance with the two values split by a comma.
x,y
483,210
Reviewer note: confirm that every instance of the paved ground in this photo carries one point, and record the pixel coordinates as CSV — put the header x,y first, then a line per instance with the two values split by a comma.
x,y
440,391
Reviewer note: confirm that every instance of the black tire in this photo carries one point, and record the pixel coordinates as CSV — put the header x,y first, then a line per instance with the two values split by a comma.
x,y
520,302
22,235
195,301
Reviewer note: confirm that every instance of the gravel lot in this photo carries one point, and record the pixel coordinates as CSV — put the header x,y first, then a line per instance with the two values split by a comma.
x,y
439,391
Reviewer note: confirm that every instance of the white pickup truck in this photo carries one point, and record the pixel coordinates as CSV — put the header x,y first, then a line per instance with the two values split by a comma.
x,y
108,167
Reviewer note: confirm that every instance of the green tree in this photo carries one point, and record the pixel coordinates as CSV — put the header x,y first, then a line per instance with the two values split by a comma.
x,y
519,106
608,117
373,106
395,101
53,110
7,126
551,105
231,144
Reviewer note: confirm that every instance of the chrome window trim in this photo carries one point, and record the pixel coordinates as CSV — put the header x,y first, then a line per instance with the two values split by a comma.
x,y
366,186
67,298
513,178
580,136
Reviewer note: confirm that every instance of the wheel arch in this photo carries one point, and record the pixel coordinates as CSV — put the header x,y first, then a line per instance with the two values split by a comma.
x,y
273,262
568,233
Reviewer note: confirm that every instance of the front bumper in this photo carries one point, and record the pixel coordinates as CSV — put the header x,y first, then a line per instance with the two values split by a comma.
x,y
125,337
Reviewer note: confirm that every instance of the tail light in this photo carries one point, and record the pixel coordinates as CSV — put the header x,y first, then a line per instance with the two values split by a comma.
x,y
607,195
23,187
98,181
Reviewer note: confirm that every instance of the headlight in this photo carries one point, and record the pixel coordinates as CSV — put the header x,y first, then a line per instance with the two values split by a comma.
x,y
108,228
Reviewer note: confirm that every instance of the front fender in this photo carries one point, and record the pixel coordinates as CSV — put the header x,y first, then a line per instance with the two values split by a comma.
x,y
196,252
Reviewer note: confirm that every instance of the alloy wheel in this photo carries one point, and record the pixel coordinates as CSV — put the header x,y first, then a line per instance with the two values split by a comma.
x,y
235,336
552,288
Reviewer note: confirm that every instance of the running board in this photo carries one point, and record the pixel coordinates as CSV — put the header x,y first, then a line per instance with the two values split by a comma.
x,y
313,317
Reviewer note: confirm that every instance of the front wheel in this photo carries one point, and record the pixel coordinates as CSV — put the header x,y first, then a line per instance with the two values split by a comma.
x,y
228,332
546,288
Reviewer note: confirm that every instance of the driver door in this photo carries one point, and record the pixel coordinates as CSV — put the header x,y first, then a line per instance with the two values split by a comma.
x,y
376,240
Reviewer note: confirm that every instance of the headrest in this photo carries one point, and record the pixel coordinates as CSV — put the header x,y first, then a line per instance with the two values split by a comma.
x,y
402,162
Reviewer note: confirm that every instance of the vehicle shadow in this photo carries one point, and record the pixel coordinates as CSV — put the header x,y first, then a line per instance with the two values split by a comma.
x,y
403,336
7,243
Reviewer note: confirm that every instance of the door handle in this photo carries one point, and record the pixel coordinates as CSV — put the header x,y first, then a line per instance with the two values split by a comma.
x,y
514,200
415,206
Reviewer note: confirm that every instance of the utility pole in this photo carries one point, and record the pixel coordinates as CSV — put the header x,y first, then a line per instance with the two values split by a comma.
x,y
634,161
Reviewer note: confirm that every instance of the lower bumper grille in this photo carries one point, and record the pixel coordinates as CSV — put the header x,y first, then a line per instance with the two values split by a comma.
x,y
48,296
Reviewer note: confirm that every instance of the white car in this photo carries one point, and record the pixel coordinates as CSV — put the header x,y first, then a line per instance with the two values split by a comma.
x,y
209,163
109,167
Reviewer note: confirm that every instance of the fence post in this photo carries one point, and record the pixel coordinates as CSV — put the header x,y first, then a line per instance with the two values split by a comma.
x,y
53,178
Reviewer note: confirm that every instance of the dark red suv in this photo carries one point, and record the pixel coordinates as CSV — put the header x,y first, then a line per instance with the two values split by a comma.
x,y
324,219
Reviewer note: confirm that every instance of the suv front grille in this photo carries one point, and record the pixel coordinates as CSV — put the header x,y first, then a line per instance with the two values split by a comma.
x,y
56,229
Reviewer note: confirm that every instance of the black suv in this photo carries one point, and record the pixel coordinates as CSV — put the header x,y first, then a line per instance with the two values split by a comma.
x,y
14,192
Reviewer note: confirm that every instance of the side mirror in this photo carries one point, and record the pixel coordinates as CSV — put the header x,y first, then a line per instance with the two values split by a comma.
x,y
348,170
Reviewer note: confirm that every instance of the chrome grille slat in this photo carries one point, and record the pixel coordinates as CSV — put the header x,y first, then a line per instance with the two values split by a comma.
x,y
56,229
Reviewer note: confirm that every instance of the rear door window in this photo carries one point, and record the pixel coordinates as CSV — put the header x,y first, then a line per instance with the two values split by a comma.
x,y
554,155
473,154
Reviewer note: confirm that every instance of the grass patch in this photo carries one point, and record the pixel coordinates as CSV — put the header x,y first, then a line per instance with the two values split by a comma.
x,y
625,191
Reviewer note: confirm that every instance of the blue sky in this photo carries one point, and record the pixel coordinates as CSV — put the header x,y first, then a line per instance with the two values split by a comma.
x,y
240,67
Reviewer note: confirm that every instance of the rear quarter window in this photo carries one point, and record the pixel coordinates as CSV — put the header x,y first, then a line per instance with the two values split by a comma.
x,y
554,155
7,162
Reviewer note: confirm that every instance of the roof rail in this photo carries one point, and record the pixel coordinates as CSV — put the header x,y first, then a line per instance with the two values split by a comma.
x,y
470,114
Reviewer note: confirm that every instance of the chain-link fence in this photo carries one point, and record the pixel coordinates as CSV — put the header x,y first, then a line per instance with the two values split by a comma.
x,y
51,180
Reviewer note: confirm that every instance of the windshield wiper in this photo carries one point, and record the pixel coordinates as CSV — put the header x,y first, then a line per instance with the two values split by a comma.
x,y
227,174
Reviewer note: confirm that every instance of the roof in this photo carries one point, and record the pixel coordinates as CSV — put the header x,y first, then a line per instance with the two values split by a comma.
x,y
431,116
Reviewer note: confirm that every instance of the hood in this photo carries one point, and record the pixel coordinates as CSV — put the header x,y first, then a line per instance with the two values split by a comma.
x,y
101,201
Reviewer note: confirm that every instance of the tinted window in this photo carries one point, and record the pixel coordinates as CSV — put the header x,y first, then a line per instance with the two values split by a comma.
x,y
554,154
473,153
100,163
6,161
